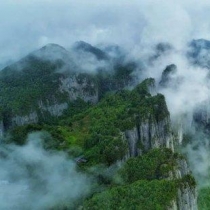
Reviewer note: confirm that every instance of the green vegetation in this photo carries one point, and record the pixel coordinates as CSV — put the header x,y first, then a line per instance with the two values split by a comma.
x,y
156,164
97,129
95,132
21,90
204,199
36,79
115,80
142,194
33,82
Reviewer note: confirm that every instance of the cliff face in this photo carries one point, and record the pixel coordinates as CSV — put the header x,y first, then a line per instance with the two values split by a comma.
x,y
148,135
53,109
76,87
23,120
187,194
44,111
47,80
187,198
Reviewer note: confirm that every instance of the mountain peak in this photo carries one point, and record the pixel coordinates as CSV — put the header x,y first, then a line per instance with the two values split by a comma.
x,y
52,51
52,46
82,45
88,48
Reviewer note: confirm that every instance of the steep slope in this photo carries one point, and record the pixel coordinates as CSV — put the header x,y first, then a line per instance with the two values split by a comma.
x,y
44,83
102,124
85,47
131,128
38,88
145,128
159,179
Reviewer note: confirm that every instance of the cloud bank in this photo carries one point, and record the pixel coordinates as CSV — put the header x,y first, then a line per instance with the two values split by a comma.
x,y
28,25
33,178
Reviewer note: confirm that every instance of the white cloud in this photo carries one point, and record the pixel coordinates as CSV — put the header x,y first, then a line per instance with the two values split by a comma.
x,y
26,25
32,178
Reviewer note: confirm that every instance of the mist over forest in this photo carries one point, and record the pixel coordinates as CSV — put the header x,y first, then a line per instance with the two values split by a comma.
x,y
104,105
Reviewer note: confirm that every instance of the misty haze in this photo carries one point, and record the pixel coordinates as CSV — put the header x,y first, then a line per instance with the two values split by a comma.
x,y
104,105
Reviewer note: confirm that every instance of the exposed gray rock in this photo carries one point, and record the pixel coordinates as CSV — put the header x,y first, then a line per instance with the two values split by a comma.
x,y
23,120
187,195
182,169
55,109
132,137
187,198
149,134
85,89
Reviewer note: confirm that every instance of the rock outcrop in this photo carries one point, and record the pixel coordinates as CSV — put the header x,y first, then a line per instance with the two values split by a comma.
x,y
23,120
77,87
54,110
149,134
168,76
187,194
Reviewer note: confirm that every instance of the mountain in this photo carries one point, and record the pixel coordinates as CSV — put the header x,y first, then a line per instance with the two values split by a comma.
x,y
87,48
47,81
42,82
121,137
133,128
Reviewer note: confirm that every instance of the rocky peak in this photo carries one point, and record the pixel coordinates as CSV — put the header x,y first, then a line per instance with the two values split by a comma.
x,y
168,76
82,46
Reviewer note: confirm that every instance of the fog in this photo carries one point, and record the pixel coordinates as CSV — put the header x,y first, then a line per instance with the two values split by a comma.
x,y
33,178
137,26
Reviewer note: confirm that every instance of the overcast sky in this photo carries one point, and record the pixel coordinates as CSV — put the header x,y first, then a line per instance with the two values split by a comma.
x,y
29,24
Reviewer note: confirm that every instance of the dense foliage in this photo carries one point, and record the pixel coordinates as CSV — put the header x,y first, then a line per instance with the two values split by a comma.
x,y
204,198
144,185
142,194
156,164
37,80
97,129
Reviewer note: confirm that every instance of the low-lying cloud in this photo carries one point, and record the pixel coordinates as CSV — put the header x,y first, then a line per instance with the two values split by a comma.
x,y
33,178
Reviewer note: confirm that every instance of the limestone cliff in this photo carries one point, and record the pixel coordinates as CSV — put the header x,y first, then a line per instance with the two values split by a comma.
x,y
23,120
48,80
149,134
187,193
80,87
